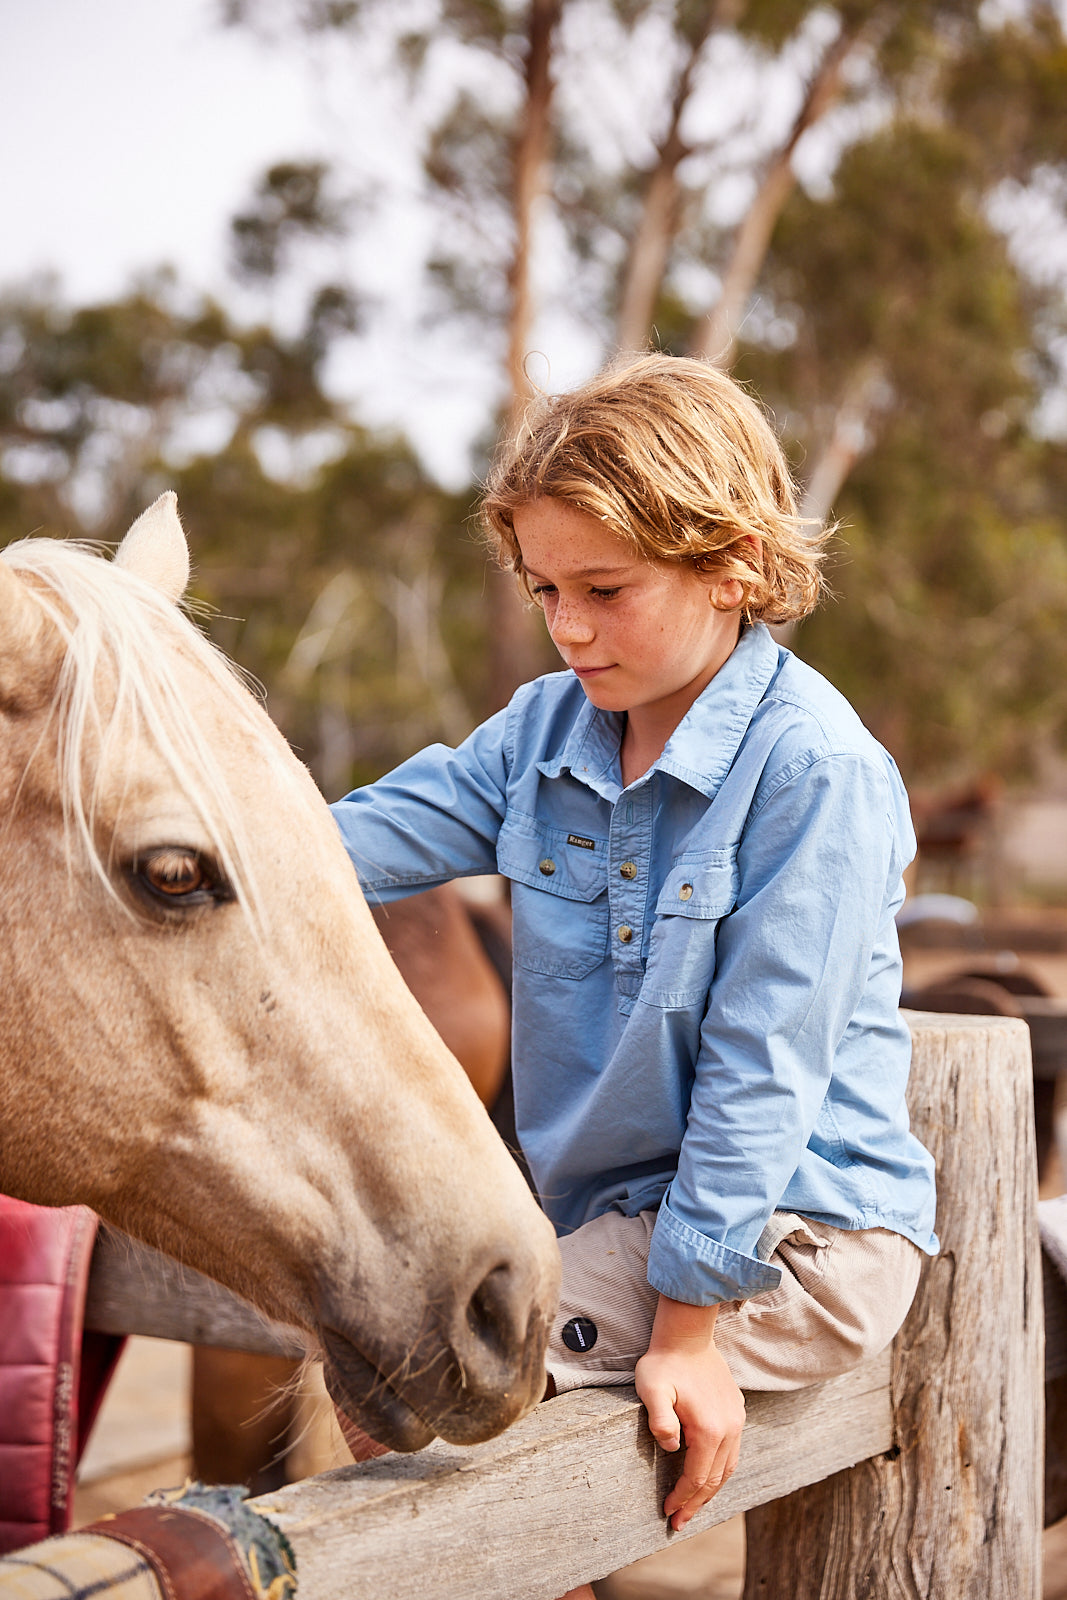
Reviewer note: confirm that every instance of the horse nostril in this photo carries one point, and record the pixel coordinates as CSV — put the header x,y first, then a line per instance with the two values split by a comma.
x,y
498,1334
491,1314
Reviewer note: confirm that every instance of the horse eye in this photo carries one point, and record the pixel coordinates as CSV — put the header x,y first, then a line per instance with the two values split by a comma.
x,y
174,873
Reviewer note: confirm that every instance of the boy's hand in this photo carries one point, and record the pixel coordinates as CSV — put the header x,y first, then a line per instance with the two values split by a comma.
x,y
687,1389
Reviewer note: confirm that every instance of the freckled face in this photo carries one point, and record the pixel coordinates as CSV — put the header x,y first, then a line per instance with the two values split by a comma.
x,y
639,635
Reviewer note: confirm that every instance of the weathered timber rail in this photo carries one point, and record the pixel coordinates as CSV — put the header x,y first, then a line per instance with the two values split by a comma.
x,y
133,1289
917,1475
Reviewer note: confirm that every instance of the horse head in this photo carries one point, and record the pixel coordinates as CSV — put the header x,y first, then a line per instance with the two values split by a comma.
x,y
201,1034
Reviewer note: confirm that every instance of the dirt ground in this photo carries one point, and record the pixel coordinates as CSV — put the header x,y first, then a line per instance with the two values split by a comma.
x,y
140,1441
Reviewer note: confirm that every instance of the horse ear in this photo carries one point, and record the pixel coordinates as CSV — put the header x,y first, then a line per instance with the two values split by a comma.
x,y
26,661
155,549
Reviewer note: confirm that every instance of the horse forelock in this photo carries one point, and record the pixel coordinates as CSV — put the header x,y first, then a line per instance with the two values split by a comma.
x,y
120,637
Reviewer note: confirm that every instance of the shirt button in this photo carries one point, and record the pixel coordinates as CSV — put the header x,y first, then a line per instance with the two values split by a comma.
x,y
628,869
547,867
685,892
626,933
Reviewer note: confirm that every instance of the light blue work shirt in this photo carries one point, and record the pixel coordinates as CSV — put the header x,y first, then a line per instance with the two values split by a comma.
x,y
706,967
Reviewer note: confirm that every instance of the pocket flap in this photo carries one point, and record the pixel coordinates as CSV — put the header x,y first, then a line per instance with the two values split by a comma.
x,y
542,858
706,888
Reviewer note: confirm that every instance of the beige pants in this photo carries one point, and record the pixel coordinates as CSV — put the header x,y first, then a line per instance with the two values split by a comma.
x,y
842,1298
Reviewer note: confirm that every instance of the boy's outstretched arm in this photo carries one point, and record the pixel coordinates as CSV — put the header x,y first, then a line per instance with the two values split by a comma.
x,y
689,1394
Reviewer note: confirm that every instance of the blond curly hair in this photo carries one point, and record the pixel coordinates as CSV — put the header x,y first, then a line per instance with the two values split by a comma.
x,y
673,456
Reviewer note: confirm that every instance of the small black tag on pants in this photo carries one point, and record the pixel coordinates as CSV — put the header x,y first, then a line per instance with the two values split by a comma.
x,y
579,1334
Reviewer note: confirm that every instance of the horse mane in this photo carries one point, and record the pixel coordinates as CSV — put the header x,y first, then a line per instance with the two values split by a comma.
x,y
114,626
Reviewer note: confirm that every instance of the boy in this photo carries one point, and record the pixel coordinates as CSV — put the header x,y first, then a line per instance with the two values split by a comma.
x,y
705,850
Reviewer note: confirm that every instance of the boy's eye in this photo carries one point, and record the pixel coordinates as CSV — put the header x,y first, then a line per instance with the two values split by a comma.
x,y
539,590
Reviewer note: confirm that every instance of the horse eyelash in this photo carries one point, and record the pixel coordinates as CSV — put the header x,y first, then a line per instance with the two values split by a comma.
x,y
219,890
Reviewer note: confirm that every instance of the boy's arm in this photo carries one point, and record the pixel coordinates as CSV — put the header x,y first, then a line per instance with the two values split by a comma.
x,y
434,818
810,937
689,1394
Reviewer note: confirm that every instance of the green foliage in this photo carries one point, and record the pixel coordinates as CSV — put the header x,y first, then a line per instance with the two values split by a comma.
x,y
291,203
773,22
901,263
1010,95
951,571
316,16
946,631
483,22
350,589
889,312
463,152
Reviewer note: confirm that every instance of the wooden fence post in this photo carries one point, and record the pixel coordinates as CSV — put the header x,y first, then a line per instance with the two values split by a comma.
x,y
947,1425
953,1510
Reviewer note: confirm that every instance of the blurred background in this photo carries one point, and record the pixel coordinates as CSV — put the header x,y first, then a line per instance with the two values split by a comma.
x,y
301,259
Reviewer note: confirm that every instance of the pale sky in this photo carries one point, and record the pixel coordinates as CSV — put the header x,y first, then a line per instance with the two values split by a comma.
x,y
134,129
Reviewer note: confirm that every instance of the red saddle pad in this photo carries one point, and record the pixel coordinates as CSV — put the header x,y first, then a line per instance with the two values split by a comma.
x,y
53,1375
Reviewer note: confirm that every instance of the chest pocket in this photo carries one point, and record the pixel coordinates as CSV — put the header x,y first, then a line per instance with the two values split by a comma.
x,y
559,898
695,897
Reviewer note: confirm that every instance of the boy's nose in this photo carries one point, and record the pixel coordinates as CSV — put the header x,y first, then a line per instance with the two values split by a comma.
x,y
570,625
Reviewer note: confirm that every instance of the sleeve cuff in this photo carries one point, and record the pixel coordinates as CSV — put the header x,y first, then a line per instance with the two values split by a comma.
x,y
384,890
686,1265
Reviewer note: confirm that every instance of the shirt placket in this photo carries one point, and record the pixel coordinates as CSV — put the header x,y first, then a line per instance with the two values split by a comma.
x,y
629,860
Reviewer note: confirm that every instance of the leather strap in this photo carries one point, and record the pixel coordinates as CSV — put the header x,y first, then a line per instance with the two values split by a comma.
x,y
192,1555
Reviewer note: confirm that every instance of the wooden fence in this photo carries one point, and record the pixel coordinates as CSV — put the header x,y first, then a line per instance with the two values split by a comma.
x,y
918,1474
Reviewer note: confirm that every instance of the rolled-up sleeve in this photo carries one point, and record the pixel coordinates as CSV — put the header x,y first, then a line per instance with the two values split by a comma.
x,y
819,869
434,818
687,1265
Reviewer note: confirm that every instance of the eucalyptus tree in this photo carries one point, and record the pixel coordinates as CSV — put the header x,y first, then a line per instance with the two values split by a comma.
x,y
312,536
839,200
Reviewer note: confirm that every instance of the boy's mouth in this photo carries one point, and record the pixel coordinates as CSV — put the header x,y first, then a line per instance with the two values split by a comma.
x,y
589,672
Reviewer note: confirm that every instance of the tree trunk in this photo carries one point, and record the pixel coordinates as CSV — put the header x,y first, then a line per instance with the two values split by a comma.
x,y
531,157
849,439
716,335
516,641
953,1509
658,223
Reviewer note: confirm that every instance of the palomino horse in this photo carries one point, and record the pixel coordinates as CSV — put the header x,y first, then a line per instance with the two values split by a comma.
x,y
252,1420
202,1036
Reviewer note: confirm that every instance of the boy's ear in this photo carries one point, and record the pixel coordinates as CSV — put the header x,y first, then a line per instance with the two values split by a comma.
x,y
726,594
155,549
726,591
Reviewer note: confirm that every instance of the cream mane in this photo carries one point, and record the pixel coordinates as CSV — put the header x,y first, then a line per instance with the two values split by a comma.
x,y
119,634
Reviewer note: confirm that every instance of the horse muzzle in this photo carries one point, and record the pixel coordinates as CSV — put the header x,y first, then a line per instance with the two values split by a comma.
x,y
365,1394
464,1376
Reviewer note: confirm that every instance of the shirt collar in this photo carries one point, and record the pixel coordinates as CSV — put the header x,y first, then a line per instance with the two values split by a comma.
x,y
591,753
701,749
